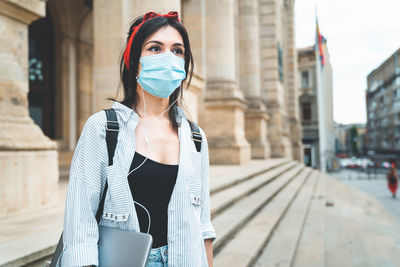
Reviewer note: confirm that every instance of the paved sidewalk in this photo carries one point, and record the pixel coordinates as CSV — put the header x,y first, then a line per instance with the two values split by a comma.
x,y
374,187
359,229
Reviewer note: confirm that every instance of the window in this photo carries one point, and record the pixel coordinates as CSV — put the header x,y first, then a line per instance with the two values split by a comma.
x,y
280,63
306,111
396,92
371,115
383,99
397,130
385,144
397,82
373,104
396,106
305,79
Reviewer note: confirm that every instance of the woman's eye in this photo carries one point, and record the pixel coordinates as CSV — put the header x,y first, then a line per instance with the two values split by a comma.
x,y
154,48
178,51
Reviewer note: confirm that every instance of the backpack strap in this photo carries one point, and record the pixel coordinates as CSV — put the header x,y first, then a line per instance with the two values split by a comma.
x,y
196,135
112,130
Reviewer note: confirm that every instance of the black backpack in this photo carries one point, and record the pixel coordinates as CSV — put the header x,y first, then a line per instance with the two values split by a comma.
x,y
392,179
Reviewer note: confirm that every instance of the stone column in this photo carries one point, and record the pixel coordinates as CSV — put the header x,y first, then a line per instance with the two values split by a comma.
x,y
28,159
160,6
225,105
194,22
256,113
272,89
111,24
85,71
291,84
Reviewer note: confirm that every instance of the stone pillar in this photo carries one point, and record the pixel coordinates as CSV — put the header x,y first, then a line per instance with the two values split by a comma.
x,y
159,6
256,113
225,105
272,89
28,159
194,22
85,71
291,84
111,24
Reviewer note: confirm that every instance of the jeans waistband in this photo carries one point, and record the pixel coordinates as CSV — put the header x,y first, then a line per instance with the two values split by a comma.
x,y
159,254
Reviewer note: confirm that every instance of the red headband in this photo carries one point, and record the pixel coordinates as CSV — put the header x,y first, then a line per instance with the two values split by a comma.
x,y
146,17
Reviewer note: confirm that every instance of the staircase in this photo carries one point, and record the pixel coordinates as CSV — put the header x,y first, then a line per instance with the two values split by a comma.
x,y
64,162
259,217
258,211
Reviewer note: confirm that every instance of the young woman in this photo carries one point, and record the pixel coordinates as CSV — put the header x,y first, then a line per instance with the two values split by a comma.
x,y
155,162
393,180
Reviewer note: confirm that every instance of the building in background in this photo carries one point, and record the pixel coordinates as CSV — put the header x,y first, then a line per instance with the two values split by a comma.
x,y
350,140
341,145
59,63
383,107
308,100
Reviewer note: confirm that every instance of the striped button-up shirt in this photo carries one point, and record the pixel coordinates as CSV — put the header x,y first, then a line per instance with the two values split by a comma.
x,y
188,210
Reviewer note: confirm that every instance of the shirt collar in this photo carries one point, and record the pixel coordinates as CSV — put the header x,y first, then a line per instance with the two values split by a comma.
x,y
126,113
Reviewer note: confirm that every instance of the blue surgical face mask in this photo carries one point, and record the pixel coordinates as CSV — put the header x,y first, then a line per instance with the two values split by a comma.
x,y
161,74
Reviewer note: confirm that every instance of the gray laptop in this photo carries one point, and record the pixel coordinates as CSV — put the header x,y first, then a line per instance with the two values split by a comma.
x,y
123,248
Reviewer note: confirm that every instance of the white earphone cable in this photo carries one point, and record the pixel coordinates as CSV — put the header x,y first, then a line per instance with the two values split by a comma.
x,y
146,138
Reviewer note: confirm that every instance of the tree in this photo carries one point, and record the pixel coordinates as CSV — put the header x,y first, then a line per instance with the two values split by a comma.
x,y
353,140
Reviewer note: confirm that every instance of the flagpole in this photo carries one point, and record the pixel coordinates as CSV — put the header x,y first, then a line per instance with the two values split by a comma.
x,y
320,103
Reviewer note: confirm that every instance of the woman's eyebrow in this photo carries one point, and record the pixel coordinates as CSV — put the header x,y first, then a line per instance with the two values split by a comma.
x,y
161,43
154,41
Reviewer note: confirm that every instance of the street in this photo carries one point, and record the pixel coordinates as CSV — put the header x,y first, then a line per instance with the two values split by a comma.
x,y
375,186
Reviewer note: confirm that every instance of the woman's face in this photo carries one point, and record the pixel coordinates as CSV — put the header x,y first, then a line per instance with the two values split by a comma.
x,y
164,40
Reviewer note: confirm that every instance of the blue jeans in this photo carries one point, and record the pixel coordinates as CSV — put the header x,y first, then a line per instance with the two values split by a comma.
x,y
158,257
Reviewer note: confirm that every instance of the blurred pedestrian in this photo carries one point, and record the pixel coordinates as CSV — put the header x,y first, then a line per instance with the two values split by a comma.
x,y
393,180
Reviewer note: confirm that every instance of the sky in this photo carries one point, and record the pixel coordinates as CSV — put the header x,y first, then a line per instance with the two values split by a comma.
x,y
361,34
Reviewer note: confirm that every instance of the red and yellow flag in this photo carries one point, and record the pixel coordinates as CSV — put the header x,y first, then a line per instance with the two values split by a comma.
x,y
320,40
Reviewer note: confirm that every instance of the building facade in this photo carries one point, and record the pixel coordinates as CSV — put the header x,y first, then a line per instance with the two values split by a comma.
x,y
308,100
383,107
350,139
59,63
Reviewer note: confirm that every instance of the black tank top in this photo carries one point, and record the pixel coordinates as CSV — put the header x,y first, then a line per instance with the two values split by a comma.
x,y
151,185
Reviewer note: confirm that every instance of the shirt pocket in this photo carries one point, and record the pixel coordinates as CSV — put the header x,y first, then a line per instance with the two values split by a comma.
x,y
116,204
194,176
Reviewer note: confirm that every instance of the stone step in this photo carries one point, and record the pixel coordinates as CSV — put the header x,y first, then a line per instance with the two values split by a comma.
x,y
64,162
233,218
63,172
44,226
223,199
311,247
282,246
29,237
223,179
246,244
65,157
